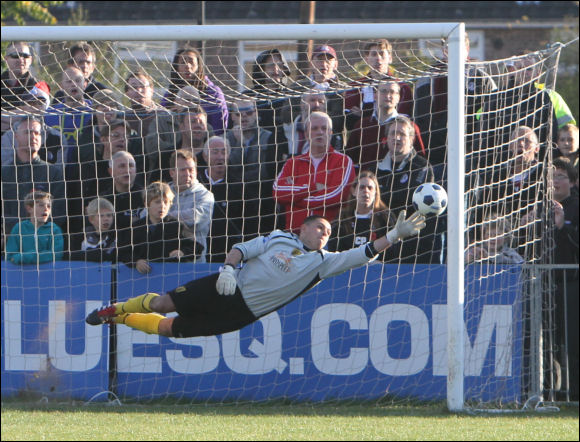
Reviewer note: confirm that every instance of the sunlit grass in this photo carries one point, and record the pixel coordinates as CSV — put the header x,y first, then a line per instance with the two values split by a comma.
x,y
278,422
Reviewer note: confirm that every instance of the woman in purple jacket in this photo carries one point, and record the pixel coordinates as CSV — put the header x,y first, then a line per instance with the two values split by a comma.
x,y
188,68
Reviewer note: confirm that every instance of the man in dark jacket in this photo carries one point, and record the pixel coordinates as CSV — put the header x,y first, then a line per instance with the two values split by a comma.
x,y
431,107
82,56
29,172
399,174
566,237
17,80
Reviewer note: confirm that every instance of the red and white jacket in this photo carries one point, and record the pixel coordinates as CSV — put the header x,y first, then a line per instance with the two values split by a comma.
x,y
302,189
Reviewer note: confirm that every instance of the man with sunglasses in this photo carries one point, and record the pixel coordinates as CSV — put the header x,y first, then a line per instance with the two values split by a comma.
x,y
17,80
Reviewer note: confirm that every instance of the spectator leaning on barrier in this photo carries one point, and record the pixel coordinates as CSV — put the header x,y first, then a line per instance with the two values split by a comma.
x,y
156,237
494,244
35,240
98,242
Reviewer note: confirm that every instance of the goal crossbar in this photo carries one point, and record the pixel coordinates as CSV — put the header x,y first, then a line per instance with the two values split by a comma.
x,y
229,32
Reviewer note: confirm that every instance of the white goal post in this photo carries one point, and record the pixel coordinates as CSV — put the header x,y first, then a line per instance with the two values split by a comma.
x,y
454,33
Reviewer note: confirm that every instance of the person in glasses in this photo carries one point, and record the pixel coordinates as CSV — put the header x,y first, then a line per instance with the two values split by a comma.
x,y
17,81
83,57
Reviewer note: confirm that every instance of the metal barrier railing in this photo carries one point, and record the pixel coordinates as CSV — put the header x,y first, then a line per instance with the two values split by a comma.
x,y
552,304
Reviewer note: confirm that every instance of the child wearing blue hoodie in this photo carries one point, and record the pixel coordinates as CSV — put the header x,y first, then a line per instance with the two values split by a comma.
x,y
35,240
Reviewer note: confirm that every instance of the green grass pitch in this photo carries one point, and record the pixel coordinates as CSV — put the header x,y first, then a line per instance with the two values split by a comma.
x,y
277,422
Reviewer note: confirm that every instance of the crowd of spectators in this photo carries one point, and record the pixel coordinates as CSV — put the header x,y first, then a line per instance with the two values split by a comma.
x,y
184,179
289,147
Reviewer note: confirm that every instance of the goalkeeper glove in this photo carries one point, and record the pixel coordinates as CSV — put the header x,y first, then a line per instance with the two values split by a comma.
x,y
406,227
226,283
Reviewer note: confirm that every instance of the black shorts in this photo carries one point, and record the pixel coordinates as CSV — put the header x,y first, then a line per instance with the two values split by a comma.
x,y
204,312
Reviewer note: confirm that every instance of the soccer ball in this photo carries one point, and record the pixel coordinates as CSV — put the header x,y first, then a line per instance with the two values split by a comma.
x,y
430,199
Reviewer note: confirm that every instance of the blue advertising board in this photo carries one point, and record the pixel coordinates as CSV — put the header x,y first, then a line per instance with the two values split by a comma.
x,y
371,332
47,348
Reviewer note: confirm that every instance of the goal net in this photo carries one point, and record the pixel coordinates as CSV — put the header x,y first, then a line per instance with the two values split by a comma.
x,y
377,333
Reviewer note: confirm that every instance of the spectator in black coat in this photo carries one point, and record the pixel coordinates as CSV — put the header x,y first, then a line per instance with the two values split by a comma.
x,y
399,174
98,243
156,238
566,236
17,79
226,223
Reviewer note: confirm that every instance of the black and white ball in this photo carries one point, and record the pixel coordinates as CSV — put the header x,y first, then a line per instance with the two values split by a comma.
x,y
430,199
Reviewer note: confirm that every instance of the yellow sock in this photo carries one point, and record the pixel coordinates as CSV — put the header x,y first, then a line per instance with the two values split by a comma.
x,y
119,319
139,304
146,322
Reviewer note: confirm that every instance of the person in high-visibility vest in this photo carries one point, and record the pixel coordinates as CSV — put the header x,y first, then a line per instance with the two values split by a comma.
x,y
523,101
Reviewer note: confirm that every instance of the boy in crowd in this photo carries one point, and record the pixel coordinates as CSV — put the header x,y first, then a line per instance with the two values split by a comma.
x,y
99,239
568,143
494,246
35,240
156,237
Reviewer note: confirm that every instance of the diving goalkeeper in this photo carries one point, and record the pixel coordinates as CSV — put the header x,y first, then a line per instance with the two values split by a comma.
x,y
276,269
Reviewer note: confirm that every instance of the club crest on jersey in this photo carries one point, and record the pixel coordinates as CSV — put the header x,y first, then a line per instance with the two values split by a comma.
x,y
296,252
281,261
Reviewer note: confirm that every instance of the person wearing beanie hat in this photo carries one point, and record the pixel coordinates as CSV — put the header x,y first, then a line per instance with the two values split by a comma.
x,y
40,93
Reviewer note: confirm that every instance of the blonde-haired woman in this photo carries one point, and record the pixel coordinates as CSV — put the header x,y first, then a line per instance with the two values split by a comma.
x,y
363,218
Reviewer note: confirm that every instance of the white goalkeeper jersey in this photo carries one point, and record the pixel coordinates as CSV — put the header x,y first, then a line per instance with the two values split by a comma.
x,y
278,268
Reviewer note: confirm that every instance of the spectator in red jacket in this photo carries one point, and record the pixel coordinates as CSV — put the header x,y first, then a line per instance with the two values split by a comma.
x,y
360,100
367,143
314,183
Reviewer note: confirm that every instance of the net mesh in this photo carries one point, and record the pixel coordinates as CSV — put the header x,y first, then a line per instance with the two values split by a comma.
x,y
376,333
